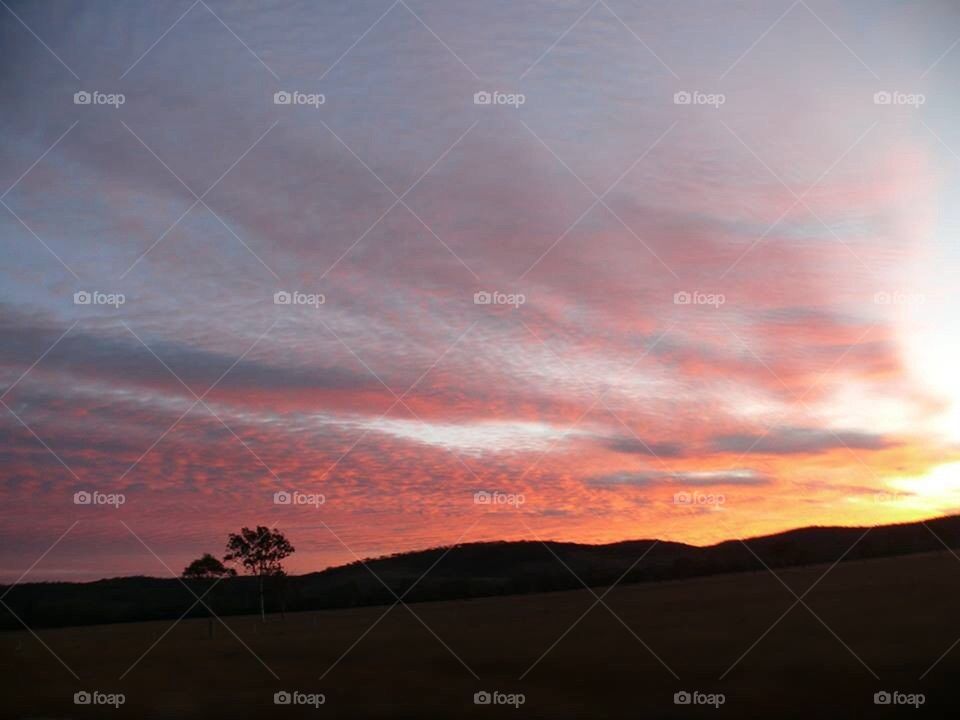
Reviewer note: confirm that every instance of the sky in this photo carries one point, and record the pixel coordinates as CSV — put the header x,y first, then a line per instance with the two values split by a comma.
x,y
690,274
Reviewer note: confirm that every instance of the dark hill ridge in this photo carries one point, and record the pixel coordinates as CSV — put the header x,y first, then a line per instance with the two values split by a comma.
x,y
471,570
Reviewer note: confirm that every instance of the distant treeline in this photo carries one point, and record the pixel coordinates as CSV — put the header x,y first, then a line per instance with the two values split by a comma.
x,y
464,571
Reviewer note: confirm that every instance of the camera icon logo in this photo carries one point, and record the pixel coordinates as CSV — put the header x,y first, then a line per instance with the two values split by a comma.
x,y
82,98
482,497
282,297
682,298
82,297
82,497
282,97
882,98
282,497
482,698
882,698
282,697
482,297
682,698
682,98
82,698
482,98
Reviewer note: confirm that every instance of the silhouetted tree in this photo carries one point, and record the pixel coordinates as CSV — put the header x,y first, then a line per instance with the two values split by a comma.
x,y
207,571
261,553
207,567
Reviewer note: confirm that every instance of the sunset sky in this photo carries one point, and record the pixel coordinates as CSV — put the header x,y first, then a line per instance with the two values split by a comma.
x,y
814,378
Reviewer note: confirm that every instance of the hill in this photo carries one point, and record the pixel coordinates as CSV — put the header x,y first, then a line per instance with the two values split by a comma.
x,y
471,570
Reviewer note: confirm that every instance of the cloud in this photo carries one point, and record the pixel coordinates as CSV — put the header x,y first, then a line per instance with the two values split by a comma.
x,y
636,446
119,357
797,440
702,478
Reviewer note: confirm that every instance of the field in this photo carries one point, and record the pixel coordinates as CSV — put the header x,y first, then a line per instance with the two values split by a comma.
x,y
892,617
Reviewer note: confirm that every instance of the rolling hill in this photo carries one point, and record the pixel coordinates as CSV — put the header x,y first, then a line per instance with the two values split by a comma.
x,y
468,571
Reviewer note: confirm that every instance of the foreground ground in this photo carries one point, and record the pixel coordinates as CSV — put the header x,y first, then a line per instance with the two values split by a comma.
x,y
889,618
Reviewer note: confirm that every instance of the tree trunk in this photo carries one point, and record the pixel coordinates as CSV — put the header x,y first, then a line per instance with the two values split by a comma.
x,y
263,612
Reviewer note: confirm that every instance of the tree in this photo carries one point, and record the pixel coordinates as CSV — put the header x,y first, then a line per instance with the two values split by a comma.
x,y
260,552
207,567
207,571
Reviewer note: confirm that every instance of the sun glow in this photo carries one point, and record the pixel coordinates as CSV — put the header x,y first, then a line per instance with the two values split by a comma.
x,y
938,490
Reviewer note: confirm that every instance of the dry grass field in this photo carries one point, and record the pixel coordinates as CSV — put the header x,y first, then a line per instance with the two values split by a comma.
x,y
889,617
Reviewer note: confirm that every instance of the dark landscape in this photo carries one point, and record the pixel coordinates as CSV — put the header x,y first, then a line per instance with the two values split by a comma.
x,y
889,616
468,571
837,615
